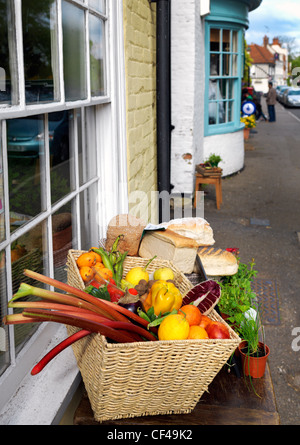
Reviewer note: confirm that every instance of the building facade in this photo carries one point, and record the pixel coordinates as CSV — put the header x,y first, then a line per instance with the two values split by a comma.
x,y
269,63
77,141
207,69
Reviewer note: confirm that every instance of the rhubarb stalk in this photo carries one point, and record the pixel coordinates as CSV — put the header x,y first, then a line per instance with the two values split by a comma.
x,y
26,290
57,349
75,292
75,319
81,294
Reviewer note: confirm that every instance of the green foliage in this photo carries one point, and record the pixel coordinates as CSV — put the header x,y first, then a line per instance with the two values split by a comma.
x,y
249,330
236,292
214,160
247,64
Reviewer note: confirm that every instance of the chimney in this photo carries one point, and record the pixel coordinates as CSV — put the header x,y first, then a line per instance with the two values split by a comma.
x,y
276,41
266,41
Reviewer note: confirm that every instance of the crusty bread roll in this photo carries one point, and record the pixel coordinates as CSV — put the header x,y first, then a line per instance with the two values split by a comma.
x,y
196,228
131,228
217,262
170,246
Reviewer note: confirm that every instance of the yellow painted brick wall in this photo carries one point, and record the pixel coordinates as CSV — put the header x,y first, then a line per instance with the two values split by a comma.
x,y
140,67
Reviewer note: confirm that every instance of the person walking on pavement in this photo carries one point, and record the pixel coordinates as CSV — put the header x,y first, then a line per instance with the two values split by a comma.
x,y
271,101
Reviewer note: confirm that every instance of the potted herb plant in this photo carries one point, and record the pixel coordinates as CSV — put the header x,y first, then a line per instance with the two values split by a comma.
x,y
210,166
237,295
213,160
254,353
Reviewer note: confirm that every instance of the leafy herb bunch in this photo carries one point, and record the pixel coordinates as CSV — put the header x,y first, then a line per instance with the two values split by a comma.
x,y
237,295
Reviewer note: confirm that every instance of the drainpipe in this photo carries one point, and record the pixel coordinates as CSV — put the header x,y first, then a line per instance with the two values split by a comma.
x,y
163,97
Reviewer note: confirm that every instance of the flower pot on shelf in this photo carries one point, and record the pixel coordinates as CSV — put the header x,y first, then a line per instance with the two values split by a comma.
x,y
246,133
254,366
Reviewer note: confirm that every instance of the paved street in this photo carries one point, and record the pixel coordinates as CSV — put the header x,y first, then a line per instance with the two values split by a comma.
x,y
261,215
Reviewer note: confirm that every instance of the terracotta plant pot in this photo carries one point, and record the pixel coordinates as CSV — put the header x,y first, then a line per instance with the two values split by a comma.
x,y
246,133
254,366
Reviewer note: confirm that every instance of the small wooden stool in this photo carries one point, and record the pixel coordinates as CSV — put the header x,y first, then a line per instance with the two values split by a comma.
x,y
216,180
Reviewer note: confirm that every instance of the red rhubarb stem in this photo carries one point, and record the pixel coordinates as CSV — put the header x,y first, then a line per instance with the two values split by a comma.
x,y
74,291
57,349
80,322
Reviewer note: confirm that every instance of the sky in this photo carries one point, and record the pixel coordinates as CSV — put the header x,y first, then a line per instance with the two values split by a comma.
x,y
275,18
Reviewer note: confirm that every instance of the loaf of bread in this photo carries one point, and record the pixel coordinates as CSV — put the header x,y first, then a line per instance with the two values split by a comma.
x,y
217,262
131,228
170,246
196,228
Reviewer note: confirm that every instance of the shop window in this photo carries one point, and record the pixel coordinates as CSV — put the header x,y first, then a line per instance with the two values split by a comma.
x,y
223,74
55,108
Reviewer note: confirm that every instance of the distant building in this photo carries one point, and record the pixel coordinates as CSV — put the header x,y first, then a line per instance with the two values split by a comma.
x,y
270,62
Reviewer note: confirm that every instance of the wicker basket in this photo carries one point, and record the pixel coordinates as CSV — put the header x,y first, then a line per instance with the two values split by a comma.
x,y
147,378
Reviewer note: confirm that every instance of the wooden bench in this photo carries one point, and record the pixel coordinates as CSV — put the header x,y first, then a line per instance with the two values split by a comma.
x,y
229,401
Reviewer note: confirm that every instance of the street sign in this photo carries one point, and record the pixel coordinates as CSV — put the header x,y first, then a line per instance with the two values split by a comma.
x,y
248,108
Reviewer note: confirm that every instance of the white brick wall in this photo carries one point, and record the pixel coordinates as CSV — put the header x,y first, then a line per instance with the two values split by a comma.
x,y
187,84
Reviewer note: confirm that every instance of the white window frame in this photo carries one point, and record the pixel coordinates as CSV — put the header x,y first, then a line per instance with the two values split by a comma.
x,y
42,399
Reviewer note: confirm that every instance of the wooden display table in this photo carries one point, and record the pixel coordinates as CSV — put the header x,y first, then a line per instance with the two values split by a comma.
x,y
216,180
228,402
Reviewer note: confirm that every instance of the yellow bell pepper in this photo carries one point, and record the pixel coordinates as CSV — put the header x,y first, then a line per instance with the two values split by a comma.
x,y
164,297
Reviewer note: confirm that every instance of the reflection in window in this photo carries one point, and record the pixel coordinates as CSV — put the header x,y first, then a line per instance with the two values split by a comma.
x,y
86,122
62,235
99,5
40,50
97,48
223,75
60,159
8,65
26,154
74,52
89,221
27,252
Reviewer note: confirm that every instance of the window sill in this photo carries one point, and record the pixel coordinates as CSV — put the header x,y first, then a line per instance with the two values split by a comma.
x,y
224,129
43,399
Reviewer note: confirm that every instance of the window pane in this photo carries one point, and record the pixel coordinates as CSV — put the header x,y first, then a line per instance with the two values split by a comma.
x,y
234,41
8,64
222,112
26,156
87,149
60,157
214,64
97,51
4,345
98,4
27,252
212,108
40,51
226,64
226,40
214,39
223,88
62,232
230,89
74,52
234,65
88,217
